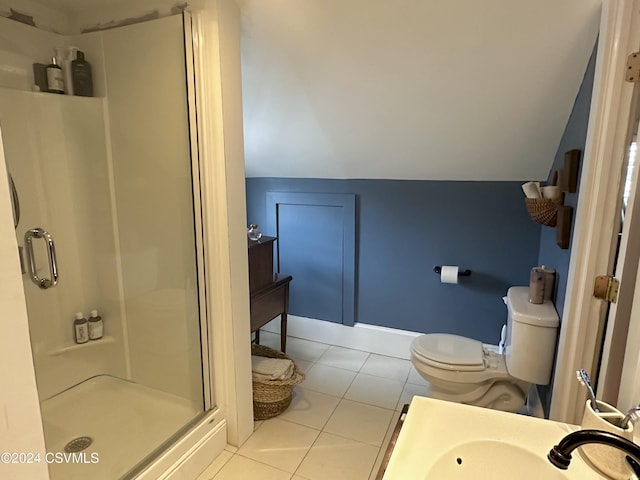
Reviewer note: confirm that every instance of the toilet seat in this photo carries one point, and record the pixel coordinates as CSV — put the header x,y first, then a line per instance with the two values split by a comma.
x,y
449,352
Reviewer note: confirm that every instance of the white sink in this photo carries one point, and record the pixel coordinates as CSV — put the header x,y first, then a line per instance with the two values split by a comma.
x,y
477,460
445,440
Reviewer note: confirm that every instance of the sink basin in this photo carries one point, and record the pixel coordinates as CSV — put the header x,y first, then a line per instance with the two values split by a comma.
x,y
446,440
477,461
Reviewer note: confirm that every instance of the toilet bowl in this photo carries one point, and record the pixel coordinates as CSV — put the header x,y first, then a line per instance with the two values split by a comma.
x,y
465,370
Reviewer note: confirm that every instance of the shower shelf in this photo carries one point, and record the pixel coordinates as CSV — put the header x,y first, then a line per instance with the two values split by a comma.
x,y
79,346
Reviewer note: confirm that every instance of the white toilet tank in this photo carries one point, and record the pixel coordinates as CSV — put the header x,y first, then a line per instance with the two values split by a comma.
x,y
531,337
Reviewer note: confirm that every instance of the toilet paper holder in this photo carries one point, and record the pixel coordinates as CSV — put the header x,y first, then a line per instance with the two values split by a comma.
x,y
461,273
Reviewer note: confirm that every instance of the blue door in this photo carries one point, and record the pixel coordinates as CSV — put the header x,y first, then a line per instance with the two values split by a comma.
x,y
315,245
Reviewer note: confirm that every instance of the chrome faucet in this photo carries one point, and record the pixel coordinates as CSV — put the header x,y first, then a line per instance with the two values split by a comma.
x,y
560,455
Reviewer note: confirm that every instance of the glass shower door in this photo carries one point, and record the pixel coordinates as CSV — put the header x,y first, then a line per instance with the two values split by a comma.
x,y
109,180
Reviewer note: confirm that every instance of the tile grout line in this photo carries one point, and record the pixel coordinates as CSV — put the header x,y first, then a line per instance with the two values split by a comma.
x,y
257,461
394,413
341,436
320,433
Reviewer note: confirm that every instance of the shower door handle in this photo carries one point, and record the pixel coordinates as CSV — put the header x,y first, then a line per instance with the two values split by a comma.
x,y
29,235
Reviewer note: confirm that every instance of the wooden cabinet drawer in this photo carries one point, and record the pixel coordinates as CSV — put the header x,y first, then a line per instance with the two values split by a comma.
x,y
267,306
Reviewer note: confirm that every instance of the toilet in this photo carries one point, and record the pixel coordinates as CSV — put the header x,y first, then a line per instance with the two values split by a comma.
x,y
464,370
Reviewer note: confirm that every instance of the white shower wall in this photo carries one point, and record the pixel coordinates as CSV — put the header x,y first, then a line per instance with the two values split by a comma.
x,y
84,168
55,150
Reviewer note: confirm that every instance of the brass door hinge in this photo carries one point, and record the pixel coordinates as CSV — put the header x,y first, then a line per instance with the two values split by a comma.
x,y
606,288
633,68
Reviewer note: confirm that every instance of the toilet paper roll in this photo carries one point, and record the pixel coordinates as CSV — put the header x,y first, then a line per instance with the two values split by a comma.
x,y
549,281
449,274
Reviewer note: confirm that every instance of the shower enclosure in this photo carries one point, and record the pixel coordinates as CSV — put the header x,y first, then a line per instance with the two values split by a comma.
x,y
106,206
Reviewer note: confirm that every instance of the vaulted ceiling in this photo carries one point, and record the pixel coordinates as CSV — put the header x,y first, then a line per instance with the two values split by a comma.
x,y
411,89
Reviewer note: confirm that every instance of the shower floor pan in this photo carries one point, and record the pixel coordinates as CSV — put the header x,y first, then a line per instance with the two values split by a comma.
x,y
124,420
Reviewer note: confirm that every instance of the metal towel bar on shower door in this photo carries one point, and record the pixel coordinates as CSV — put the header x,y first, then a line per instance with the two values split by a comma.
x,y
51,255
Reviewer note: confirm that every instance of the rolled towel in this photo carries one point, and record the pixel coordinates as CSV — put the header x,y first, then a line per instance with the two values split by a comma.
x,y
551,192
532,189
264,368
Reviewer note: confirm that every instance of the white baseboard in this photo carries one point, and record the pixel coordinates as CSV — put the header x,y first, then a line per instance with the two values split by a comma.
x,y
371,338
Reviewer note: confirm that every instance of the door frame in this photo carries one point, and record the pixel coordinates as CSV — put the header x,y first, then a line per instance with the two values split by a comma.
x,y
594,233
216,64
618,318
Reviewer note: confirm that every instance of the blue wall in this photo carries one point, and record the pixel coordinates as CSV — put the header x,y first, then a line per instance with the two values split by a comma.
x,y
405,228
574,137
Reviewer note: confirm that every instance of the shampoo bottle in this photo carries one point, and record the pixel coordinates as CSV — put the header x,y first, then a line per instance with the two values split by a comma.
x,y
81,76
95,326
55,78
81,329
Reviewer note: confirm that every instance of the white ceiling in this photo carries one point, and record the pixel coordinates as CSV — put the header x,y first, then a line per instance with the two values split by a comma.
x,y
72,7
411,89
80,15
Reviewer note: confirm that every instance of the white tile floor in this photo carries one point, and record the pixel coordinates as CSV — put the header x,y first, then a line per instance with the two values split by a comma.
x,y
339,422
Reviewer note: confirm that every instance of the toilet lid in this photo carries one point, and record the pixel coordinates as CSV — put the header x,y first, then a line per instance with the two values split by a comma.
x,y
449,349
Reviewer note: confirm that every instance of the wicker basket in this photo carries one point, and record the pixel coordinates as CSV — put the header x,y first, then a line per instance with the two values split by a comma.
x,y
544,210
272,397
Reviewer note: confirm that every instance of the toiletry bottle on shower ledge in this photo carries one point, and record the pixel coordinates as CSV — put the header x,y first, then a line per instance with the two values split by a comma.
x,y
55,78
68,57
95,326
81,76
81,329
